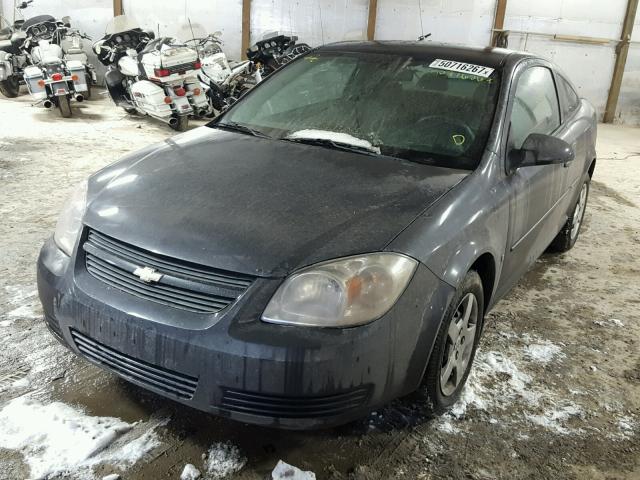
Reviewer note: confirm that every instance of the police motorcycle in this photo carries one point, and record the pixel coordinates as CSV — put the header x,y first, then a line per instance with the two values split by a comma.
x,y
223,81
155,77
54,78
12,58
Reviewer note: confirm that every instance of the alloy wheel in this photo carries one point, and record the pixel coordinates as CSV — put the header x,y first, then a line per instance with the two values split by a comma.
x,y
459,344
578,213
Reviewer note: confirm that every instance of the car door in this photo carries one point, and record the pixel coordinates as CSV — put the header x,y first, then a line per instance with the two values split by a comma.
x,y
534,191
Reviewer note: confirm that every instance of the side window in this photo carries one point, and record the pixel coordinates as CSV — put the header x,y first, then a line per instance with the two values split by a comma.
x,y
571,101
535,106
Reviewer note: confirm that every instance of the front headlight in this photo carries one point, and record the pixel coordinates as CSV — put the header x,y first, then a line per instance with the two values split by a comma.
x,y
341,293
70,221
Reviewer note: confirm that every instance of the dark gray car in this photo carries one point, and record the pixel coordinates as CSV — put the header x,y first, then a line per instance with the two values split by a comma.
x,y
331,242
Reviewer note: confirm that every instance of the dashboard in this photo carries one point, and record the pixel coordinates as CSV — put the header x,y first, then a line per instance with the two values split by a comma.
x,y
42,31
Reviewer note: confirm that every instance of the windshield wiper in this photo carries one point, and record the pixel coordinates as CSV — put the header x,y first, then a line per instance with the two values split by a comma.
x,y
323,142
239,127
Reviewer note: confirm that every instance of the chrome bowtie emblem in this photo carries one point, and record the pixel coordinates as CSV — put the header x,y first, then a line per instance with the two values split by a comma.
x,y
147,274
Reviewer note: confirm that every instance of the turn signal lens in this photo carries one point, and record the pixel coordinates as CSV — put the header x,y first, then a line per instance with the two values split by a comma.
x,y
181,92
197,65
196,91
74,78
41,83
161,72
56,77
167,100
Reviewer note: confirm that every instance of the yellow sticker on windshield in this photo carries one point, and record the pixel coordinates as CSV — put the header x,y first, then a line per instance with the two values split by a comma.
x,y
458,139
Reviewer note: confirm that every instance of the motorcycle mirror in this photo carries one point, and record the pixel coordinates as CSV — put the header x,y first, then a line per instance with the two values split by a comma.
x,y
217,33
66,20
150,33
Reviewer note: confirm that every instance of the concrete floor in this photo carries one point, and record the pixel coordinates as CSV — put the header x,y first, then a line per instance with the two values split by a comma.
x,y
555,391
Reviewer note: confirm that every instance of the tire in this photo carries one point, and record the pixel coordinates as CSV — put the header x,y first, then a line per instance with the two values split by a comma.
x,y
87,94
455,355
568,235
64,104
10,87
182,124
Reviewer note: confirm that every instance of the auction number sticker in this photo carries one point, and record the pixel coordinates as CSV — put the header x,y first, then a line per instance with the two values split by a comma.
x,y
468,68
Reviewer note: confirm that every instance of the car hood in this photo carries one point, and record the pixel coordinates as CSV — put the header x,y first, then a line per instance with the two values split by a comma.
x,y
259,206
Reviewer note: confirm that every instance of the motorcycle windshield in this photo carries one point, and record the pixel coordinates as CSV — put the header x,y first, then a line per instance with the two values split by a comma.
x,y
120,24
37,19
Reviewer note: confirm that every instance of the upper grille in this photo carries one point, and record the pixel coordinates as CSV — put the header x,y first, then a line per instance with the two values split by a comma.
x,y
183,285
293,407
169,381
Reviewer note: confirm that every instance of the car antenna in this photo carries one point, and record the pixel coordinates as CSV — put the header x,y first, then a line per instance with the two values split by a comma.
x,y
193,37
421,24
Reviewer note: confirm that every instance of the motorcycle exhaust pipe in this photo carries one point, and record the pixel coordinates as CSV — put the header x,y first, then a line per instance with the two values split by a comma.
x,y
173,121
47,104
79,97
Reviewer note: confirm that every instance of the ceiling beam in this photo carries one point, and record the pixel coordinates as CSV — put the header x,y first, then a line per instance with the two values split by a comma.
x,y
117,8
371,21
498,21
246,26
622,50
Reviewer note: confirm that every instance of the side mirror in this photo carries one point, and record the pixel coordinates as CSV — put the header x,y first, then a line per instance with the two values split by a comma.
x,y
66,21
540,149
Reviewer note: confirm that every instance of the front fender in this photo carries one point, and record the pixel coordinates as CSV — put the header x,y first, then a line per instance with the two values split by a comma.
x,y
470,220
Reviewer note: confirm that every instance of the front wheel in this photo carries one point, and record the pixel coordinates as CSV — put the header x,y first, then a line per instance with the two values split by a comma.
x,y
10,87
87,94
455,346
64,104
182,123
567,237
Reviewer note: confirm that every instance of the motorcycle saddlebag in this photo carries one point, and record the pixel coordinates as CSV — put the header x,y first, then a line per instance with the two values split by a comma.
x,y
32,75
77,68
150,97
6,68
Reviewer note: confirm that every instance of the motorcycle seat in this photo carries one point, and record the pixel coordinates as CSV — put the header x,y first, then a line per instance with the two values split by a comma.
x,y
74,50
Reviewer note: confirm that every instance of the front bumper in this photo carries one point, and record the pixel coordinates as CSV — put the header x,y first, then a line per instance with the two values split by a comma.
x,y
234,365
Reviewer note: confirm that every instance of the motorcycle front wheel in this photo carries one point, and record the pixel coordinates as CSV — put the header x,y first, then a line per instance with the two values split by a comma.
x,y
64,104
10,87
182,124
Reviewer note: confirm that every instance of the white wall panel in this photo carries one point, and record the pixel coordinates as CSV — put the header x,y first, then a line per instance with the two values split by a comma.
x,y
315,22
171,18
465,22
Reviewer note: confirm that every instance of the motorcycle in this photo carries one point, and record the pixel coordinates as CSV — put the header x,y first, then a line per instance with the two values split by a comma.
x,y
223,81
274,51
12,58
53,78
155,77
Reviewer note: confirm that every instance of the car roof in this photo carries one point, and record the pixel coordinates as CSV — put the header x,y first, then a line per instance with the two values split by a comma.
x,y
487,56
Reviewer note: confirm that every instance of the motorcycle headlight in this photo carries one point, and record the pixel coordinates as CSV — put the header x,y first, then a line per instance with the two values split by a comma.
x,y
341,293
70,221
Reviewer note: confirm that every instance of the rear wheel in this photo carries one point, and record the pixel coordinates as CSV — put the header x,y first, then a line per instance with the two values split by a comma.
x,y
10,87
455,346
182,124
87,94
567,237
64,104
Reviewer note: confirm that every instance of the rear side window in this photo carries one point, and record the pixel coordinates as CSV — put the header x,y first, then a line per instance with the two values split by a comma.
x,y
570,98
535,106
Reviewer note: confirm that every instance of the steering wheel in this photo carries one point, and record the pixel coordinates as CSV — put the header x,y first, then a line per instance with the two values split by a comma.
x,y
451,134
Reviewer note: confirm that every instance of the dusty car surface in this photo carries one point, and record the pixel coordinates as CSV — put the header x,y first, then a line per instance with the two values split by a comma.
x,y
331,242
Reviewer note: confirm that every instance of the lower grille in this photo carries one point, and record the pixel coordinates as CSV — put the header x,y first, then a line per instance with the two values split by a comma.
x,y
169,381
293,407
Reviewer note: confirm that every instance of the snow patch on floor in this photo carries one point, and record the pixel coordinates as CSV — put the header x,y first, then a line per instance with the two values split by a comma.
x,y
556,418
543,352
58,439
190,472
284,471
223,459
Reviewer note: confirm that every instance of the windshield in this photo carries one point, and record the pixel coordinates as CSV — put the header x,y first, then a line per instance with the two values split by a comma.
x,y
397,105
120,24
